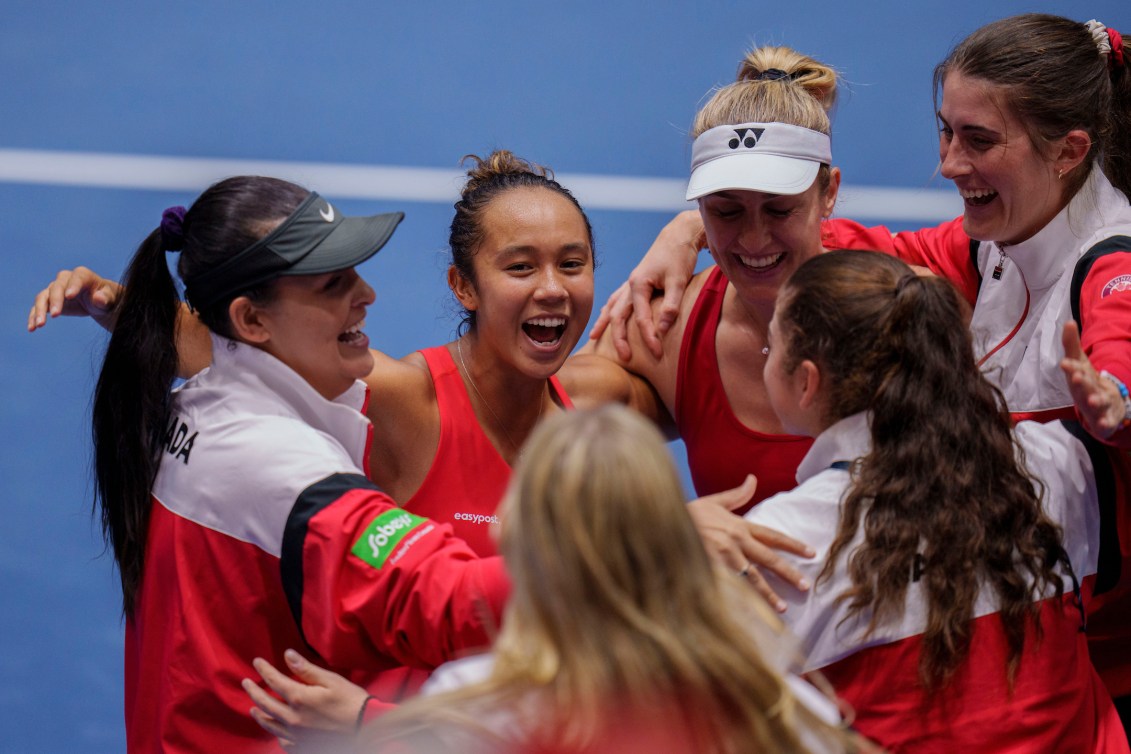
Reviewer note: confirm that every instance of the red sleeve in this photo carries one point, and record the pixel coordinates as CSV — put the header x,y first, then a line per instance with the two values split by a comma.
x,y
944,249
368,581
1105,316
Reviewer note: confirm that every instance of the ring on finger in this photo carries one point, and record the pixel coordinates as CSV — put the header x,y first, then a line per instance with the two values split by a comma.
x,y
746,571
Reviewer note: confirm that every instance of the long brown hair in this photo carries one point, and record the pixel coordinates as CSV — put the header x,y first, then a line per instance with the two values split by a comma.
x,y
1055,79
944,484
617,612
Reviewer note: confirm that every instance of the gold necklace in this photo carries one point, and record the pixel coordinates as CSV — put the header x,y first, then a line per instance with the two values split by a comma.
x,y
498,421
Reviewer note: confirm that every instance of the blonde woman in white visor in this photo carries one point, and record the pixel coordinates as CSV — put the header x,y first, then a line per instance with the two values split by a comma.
x,y
761,171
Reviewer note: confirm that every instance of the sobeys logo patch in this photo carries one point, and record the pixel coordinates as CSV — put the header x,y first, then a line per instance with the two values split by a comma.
x,y
383,535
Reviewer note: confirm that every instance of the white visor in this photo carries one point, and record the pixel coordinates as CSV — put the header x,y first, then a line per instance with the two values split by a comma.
x,y
776,158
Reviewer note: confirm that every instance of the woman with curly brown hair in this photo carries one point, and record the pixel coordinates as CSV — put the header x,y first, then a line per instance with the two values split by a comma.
x,y
944,606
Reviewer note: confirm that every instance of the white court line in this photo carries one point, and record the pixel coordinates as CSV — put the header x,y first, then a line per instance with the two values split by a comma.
x,y
343,181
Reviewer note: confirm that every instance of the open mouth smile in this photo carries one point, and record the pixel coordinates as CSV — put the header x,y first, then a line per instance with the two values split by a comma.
x,y
545,331
354,335
978,198
763,263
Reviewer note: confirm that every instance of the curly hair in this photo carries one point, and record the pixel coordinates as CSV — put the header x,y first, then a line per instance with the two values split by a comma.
x,y
943,496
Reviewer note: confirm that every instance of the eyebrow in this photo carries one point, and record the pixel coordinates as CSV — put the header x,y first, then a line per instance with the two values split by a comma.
x,y
512,251
970,128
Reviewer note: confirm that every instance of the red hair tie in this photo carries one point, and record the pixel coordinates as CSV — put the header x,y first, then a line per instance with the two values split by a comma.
x,y
1116,48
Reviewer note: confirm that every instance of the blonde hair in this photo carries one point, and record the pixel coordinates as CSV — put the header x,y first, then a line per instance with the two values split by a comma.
x,y
803,96
800,91
614,599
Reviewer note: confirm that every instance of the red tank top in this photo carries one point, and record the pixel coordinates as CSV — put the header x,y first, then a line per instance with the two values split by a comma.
x,y
463,487
468,477
721,450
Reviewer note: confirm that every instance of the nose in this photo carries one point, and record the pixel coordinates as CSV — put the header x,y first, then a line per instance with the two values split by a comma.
x,y
754,235
363,293
550,288
952,163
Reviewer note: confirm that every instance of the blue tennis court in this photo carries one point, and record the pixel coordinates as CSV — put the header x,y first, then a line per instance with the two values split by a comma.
x,y
114,111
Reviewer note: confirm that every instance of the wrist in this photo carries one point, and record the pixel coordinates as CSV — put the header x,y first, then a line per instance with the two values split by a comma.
x,y
361,712
1124,395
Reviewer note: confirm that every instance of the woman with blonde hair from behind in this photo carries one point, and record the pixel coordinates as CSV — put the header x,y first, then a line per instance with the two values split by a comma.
x,y
620,635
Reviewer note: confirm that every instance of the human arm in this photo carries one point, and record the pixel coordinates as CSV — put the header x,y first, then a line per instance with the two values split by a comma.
x,y
745,547
367,580
313,708
82,292
667,267
944,249
1098,401
1105,336
591,380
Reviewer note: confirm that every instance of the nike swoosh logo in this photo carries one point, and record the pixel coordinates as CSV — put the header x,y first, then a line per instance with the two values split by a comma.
x,y
327,214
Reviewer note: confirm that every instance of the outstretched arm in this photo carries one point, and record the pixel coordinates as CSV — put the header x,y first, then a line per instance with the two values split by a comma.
x,y
82,292
667,267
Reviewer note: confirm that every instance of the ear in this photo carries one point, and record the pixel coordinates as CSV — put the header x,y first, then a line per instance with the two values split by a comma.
x,y
248,323
463,288
1073,149
808,376
828,201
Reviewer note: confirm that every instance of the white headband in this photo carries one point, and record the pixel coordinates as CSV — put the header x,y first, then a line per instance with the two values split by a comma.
x,y
776,158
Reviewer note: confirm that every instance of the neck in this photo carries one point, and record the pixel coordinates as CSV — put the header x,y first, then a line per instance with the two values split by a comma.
x,y
753,314
507,404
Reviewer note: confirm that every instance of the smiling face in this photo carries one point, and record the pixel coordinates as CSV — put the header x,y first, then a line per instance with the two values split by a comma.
x,y
313,325
1010,189
533,288
759,239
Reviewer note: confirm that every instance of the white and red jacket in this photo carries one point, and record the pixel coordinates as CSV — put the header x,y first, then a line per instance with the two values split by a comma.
x,y
1017,322
266,534
1058,702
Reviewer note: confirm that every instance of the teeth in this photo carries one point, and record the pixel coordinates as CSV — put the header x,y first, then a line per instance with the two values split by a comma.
x,y
978,193
761,263
355,329
547,321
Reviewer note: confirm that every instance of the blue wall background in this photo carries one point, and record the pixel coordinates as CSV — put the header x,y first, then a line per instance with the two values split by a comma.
x,y
599,88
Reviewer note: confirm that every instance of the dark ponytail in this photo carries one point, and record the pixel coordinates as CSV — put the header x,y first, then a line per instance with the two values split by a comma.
x,y
131,405
132,397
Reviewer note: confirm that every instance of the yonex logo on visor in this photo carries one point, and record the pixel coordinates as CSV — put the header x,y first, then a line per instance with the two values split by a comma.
x,y
775,158
746,137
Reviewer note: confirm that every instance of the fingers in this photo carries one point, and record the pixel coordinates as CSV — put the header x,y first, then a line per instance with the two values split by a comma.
x,y
762,587
779,541
735,497
272,726
281,684
641,291
269,705
621,310
1070,339
767,559
306,670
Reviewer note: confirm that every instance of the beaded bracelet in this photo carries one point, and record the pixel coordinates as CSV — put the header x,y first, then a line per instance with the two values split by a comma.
x,y
1123,393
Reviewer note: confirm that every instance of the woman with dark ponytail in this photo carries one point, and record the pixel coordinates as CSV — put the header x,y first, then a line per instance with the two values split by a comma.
x,y
946,606
237,505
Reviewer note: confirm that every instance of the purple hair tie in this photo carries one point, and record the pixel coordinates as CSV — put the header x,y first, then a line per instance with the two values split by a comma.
x,y
172,228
